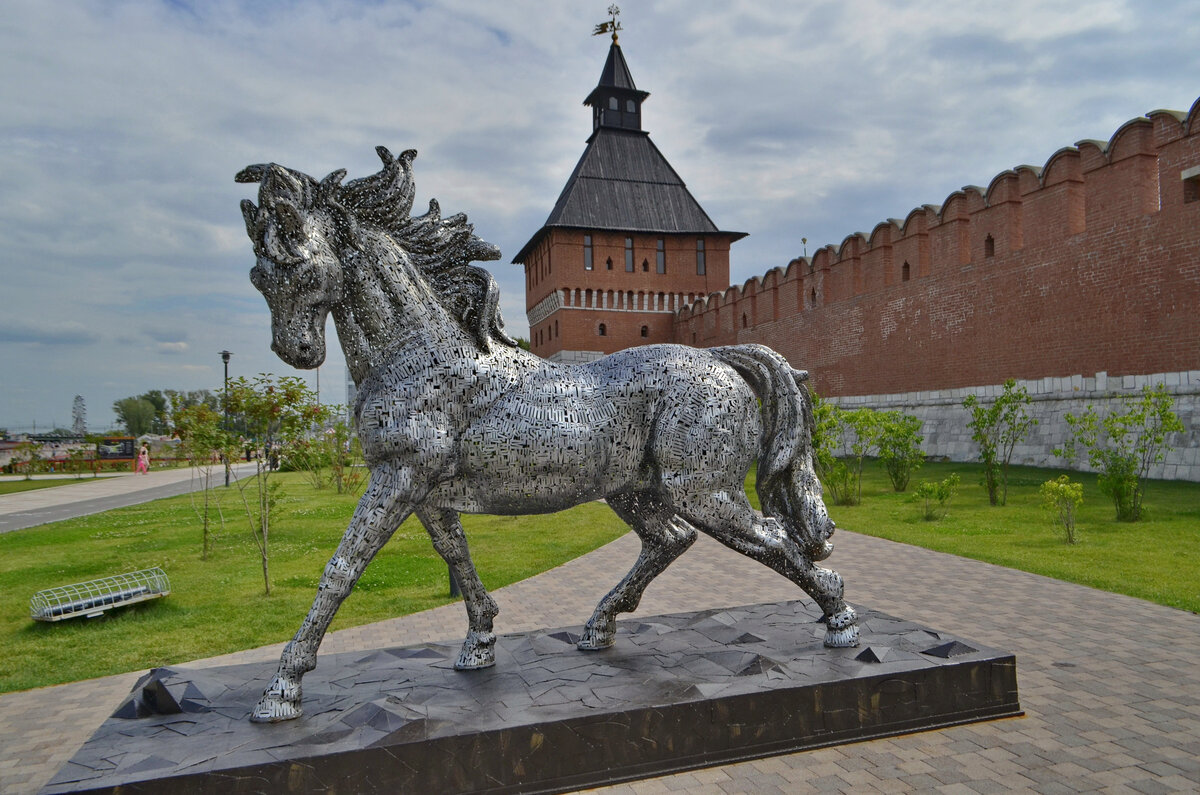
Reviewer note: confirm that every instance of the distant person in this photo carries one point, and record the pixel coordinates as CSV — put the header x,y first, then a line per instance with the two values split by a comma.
x,y
143,461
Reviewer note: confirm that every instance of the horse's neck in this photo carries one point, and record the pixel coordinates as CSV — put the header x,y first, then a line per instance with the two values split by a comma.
x,y
388,305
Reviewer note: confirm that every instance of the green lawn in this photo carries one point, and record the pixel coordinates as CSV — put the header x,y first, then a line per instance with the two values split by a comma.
x,y
218,606
14,486
1157,559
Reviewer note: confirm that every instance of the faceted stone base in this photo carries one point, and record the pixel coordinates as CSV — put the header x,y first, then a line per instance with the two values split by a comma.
x,y
676,692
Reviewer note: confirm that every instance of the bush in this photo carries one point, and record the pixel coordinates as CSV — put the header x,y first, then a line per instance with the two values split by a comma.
x,y
935,497
1123,445
997,430
900,447
1061,497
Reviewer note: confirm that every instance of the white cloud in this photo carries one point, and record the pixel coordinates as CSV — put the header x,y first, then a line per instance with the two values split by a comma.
x,y
125,121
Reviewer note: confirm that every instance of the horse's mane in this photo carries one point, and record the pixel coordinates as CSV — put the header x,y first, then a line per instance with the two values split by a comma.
x,y
441,249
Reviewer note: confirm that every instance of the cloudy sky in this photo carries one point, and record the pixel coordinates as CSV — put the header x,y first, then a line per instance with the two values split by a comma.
x,y
123,257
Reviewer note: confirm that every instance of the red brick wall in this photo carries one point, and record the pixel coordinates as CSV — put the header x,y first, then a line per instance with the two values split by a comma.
x,y
1094,266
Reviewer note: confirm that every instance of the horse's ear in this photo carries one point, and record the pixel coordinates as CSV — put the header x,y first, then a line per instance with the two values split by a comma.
x,y
250,213
253,173
330,182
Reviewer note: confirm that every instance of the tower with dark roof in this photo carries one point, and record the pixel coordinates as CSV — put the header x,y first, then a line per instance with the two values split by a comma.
x,y
626,244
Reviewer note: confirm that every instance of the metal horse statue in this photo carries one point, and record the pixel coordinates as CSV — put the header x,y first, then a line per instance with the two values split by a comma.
x,y
454,417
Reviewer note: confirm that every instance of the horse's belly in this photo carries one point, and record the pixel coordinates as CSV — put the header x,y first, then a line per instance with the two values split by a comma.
x,y
546,458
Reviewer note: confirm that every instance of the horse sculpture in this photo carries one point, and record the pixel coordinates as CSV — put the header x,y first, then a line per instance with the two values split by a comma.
x,y
454,417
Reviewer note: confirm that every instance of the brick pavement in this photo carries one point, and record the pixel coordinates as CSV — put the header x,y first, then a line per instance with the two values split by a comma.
x,y
1110,684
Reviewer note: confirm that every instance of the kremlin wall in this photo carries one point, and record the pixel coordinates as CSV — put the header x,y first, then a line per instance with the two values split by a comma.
x,y
1081,279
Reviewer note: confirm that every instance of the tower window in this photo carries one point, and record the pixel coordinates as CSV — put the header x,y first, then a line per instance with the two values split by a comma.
x,y
612,103
645,331
700,270
602,330
812,298
1191,184
608,263
629,255
904,272
587,252
989,246
743,320
629,106
660,257
645,266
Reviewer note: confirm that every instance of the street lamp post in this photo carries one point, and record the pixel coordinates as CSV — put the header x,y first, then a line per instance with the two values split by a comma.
x,y
225,358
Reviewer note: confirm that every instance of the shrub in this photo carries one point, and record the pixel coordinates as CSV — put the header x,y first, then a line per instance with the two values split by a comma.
x,y
935,497
1123,445
1061,497
900,447
997,429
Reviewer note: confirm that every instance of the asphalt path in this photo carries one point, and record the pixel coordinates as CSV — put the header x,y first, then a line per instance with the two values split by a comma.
x,y
31,508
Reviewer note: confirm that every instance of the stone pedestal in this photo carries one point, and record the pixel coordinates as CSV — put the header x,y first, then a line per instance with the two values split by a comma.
x,y
676,692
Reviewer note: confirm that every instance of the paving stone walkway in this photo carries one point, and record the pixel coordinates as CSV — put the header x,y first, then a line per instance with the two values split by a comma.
x,y
1110,684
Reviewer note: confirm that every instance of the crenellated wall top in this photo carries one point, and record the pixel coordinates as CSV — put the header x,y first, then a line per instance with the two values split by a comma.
x,y
1072,166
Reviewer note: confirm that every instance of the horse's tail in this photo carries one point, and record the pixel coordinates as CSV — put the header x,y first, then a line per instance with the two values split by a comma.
x,y
786,483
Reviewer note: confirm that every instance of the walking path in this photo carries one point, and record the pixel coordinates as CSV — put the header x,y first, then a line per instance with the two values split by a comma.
x,y
1110,684
92,495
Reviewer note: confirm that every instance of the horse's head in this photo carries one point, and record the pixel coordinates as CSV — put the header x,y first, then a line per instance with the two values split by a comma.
x,y
293,229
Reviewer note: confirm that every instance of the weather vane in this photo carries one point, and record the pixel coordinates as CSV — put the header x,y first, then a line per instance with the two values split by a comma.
x,y
612,26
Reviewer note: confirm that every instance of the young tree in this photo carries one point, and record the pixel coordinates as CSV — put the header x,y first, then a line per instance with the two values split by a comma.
x,y
276,411
929,493
828,441
1062,497
866,426
900,447
204,442
997,429
1123,445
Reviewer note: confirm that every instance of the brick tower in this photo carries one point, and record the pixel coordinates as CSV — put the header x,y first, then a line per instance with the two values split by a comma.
x,y
626,244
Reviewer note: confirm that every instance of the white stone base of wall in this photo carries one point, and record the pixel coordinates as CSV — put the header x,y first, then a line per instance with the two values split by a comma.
x,y
947,436
574,357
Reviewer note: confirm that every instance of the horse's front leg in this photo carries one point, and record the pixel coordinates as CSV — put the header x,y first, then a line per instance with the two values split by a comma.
x,y
380,511
446,531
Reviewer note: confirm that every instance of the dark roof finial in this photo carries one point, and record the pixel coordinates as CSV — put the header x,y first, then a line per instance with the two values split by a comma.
x,y
612,26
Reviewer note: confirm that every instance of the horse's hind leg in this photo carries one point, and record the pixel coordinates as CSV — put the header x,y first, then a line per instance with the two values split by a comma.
x,y
379,513
727,516
664,538
446,531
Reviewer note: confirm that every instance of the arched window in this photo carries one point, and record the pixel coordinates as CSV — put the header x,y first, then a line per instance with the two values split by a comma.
x,y
608,263
989,246
645,266
629,106
602,330
645,331
812,298
629,255
587,252
612,103
743,320
904,272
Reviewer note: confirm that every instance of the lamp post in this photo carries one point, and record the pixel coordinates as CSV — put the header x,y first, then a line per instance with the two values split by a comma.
x,y
225,358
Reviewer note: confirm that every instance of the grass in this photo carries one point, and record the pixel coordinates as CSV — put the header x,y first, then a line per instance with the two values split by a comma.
x,y
1157,559
217,605
15,486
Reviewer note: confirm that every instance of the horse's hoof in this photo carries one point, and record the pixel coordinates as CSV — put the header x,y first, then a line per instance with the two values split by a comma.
x,y
594,639
843,629
280,702
842,638
478,651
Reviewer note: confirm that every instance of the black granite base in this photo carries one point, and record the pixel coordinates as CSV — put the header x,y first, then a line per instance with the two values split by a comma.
x,y
676,692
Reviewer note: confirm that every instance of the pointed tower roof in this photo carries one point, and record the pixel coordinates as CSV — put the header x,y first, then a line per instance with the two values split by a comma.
x,y
616,75
622,182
